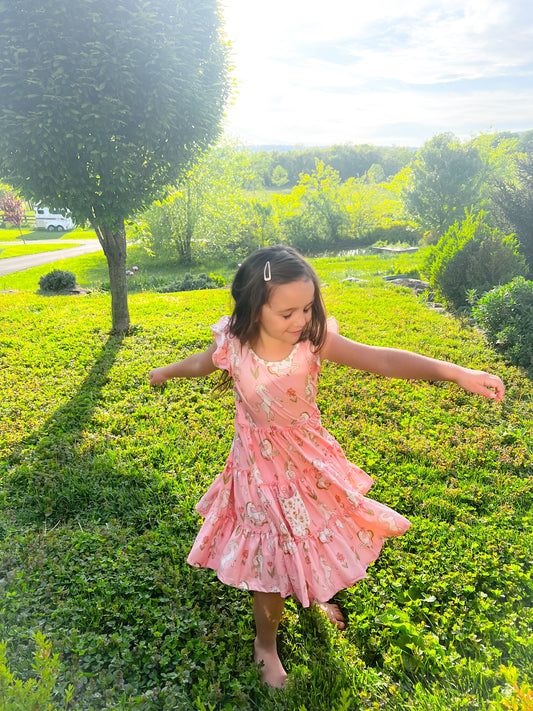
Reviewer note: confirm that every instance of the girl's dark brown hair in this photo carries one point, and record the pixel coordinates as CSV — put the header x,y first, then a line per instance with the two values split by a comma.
x,y
251,291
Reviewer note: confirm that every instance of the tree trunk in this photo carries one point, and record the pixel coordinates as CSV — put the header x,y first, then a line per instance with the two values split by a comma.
x,y
113,243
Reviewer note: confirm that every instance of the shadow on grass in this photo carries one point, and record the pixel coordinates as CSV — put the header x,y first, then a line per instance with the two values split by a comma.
x,y
48,476
64,473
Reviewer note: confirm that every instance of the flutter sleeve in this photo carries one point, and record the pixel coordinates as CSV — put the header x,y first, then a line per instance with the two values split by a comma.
x,y
221,357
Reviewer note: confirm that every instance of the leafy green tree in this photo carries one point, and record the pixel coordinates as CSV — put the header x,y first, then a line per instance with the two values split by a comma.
x,y
312,216
513,203
446,178
375,174
499,153
280,176
526,142
350,161
261,167
369,205
205,215
106,103
263,214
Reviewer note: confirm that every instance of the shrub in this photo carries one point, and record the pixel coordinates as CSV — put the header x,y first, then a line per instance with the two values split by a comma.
x,y
58,280
396,232
166,285
191,282
505,314
471,256
35,693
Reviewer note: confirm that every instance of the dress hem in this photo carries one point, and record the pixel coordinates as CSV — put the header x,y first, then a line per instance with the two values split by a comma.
x,y
305,603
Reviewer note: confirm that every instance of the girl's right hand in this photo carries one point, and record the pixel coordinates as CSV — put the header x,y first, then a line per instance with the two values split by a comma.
x,y
157,376
481,383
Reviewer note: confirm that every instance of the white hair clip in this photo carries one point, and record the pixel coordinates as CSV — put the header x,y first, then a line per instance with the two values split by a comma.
x,y
267,274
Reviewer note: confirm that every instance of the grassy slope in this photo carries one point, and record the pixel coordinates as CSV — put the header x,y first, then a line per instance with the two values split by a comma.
x,y
101,475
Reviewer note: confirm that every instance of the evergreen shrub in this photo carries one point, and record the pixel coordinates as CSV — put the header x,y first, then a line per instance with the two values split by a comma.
x,y
58,280
505,315
471,257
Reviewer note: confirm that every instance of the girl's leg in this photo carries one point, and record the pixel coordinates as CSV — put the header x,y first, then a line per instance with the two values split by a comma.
x,y
268,609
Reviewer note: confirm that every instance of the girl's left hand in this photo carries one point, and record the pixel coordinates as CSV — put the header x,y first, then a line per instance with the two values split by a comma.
x,y
157,376
481,383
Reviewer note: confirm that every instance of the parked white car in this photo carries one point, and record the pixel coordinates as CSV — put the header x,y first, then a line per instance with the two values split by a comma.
x,y
51,221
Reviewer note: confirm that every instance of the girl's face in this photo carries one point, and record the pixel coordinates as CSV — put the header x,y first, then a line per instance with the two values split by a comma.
x,y
287,312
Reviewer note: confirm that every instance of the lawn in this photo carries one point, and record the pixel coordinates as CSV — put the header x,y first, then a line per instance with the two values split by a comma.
x,y
100,475
21,250
91,270
12,234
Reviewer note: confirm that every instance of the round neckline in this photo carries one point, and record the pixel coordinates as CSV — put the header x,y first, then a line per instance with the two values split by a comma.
x,y
274,362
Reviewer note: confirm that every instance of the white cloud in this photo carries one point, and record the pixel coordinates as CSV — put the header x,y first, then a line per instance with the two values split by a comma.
x,y
309,72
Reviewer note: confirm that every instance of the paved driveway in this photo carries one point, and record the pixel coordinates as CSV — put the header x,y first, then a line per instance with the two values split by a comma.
x,y
19,264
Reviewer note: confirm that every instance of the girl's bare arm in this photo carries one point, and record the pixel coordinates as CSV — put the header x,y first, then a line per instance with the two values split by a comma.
x,y
195,366
395,363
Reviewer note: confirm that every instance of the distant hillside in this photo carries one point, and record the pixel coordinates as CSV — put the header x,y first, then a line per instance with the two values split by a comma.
x,y
285,148
278,148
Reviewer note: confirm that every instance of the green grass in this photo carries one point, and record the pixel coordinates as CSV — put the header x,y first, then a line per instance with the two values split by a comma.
x,y
12,234
100,475
91,271
23,250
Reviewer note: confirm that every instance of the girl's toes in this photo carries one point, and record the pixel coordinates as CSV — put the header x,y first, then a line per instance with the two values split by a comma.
x,y
333,613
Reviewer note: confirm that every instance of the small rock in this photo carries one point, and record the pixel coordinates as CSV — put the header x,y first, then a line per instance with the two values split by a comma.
x,y
416,284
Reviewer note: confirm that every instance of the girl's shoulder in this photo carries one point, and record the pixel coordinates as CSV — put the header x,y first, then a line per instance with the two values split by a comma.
x,y
227,345
221,326
332,324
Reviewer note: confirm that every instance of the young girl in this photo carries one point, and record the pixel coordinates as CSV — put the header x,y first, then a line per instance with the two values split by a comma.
x,y
287,516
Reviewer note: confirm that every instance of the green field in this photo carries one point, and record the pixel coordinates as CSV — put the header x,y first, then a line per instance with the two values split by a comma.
x,y
99,477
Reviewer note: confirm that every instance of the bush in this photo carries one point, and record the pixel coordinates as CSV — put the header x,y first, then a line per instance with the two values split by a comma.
x,y
471,257
58,280
168,285
505,315
35,693
391,234
192,282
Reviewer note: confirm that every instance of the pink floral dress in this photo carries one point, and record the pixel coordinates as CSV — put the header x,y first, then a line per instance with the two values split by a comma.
x,y
288,512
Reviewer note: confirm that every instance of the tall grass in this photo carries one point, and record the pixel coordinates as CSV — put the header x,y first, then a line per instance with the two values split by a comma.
x,y
100,475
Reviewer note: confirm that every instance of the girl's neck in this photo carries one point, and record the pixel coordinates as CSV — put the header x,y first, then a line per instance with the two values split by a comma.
x,y
270,349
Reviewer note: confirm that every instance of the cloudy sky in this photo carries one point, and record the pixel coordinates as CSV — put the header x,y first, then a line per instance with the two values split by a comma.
x,y
387,72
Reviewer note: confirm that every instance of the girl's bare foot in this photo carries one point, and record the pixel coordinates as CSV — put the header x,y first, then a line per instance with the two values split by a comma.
x,y
272,671
333,613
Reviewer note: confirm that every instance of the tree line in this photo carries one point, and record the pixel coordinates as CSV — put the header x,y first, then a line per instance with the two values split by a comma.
x,y
224,207
282,168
